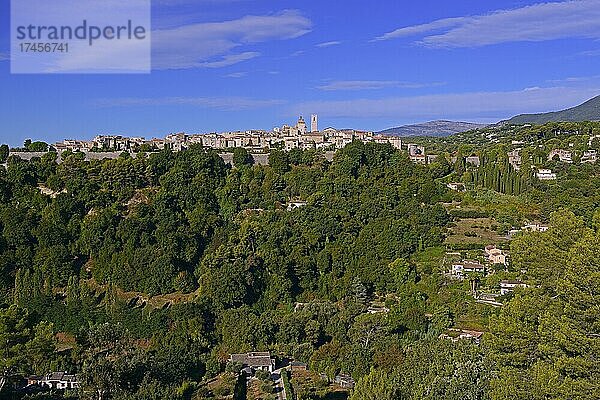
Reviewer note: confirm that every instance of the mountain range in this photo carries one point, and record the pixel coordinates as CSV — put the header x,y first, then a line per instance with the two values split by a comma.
x,y
432,128
588,111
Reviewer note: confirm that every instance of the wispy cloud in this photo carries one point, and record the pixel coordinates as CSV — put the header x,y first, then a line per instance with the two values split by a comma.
x,y
217,44
372,85
471,105
236,75
539,22
329,44
423,28
575,80
195,45
297,53
219,103
229,59
4,56
590,53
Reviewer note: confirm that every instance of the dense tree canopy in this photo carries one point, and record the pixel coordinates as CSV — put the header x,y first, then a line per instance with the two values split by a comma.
x,y
142,274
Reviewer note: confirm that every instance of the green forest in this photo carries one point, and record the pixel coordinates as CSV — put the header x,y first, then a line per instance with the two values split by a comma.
x,y
142,274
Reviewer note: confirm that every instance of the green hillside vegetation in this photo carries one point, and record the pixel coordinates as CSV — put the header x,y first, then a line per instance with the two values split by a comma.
x,y
143,274
588,111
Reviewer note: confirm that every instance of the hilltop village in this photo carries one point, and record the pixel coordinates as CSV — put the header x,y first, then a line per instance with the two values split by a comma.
x,y
287,137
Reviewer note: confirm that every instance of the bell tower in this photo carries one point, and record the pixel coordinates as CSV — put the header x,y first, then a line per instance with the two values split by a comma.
x,y
301,126
314,123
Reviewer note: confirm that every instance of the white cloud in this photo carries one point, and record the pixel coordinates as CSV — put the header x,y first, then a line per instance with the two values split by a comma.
x,y
236,75
575,80
371,85
297,53
590,53
423,28
474,105
214,44
229,59
133,56
193,45
4,56
535,23
105,56
219,103
329,44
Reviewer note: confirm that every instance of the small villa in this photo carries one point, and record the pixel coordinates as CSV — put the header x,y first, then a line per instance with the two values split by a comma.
x,y
545,175
466,267
345,381
254,361
456,186
514,159
509,286
292,205
55,380
495,255
589,156
378,310
535,227
455,335
473,160
562,155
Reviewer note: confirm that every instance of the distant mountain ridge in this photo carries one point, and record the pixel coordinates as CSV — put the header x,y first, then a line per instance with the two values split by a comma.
x,y
432,128
588,111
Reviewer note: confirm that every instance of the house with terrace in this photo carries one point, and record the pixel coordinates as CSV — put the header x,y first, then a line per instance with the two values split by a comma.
x,y
254,361
461,269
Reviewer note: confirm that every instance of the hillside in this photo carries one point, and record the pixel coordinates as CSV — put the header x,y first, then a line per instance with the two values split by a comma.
x,y
432,128
588,111
150,272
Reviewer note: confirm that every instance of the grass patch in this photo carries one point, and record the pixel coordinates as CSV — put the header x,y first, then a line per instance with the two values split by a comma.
x,y
261,390
480,231
307,384
430,260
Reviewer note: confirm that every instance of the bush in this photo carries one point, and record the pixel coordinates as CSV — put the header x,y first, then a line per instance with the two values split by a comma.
x,y
266,387
263,375
285,377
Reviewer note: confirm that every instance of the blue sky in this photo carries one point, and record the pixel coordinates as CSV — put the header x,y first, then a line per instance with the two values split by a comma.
x,y
254,64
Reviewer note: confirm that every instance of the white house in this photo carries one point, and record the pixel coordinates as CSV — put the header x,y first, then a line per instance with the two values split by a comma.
x,y
419,159
456,186
563,155
455,335
415,149
55,380
292,205
514,158
535,228
473,160
545,175
345,381
589,156
466,267
509,286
